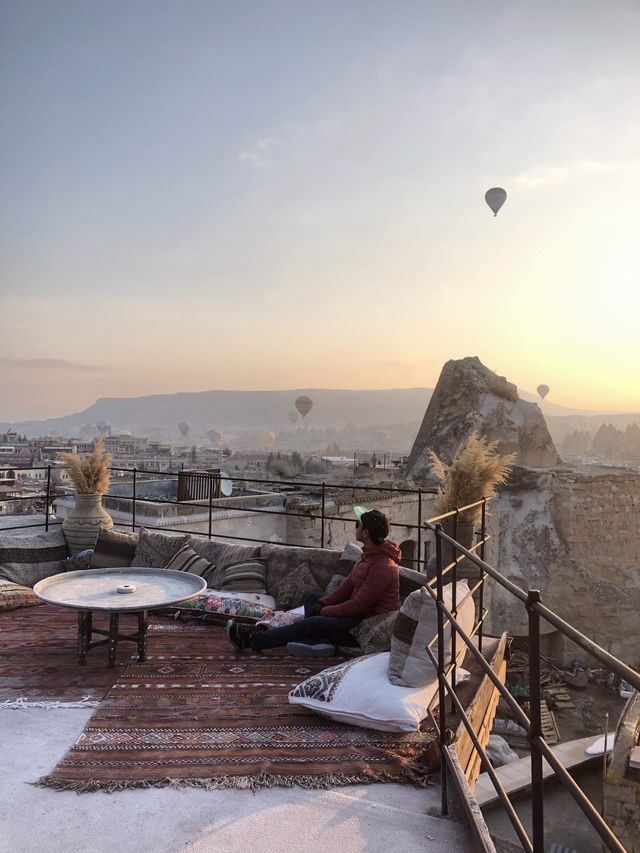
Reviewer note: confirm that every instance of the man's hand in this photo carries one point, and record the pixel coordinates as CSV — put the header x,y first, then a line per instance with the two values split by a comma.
x,y
315,610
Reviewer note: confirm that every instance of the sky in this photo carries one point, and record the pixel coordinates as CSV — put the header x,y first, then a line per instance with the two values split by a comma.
x,y
271,195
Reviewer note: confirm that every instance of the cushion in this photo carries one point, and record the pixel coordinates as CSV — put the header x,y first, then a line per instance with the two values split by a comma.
x,y
186,560
216,606
283,560
80,562
333,584
13,595
293,588
415,627
359,693
25,560
114,549
374,634
351,552
222,554
245,576
155,550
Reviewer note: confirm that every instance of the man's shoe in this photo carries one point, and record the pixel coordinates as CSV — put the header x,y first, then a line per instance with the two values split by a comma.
x,y
307,650
238,639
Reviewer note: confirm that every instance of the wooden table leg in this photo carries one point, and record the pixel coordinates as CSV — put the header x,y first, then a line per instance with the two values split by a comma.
x,y
113,638
143,622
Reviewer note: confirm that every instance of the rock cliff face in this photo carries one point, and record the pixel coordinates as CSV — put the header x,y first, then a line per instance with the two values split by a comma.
x,y
471,397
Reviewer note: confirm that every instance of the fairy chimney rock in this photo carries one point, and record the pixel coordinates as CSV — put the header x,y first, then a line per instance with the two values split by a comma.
x,y
469,397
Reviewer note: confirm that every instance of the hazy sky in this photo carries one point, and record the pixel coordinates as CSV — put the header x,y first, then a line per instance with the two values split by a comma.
x,y
202,195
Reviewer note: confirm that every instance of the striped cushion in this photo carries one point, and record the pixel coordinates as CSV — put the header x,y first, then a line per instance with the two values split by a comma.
x,y
245,576
25,560
186,560
113,549
12,596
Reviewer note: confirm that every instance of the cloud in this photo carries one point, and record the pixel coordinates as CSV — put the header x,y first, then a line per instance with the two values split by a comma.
x,y
48,363
261,153
545,175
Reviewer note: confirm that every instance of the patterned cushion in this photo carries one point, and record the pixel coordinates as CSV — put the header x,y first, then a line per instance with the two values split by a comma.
x,y
155,550
292,590
13,595
25,560
213,607
283,560
245,576
358,693
186,560
80,562
417,625
374,634
114,549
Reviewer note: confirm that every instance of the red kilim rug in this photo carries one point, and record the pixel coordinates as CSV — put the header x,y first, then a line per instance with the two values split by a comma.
x,y
197,714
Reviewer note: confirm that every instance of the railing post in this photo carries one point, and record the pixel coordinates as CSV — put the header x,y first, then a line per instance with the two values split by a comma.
x,y
46,509
210,502
454,603
419,542
133,501
535,726
442,711
322,516
483,575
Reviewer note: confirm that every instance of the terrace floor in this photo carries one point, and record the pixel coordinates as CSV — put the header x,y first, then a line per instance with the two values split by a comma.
x,y
383,817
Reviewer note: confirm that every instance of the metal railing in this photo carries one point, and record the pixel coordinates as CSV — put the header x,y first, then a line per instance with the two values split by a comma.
x,y
540,750
210,483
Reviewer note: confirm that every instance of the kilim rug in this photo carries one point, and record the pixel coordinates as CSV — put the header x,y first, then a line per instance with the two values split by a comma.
x,y
39,662
204,716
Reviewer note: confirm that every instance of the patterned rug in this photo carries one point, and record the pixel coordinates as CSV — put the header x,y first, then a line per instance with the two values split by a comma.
x,y
201,715
39,663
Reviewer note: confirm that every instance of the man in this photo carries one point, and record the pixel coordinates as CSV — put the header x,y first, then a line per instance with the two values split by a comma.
x,y
372,587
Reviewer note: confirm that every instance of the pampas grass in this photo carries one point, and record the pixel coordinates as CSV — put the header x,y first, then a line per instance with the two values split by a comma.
x,y
476,470
89,474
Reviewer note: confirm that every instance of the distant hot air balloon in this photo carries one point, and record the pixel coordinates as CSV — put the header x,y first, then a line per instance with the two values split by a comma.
x,y
293,416
214,436
184,428
543,390
495,198
304,405
266,439
103,426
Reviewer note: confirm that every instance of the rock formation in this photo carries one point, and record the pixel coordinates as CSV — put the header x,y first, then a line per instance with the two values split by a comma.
x,y
469,397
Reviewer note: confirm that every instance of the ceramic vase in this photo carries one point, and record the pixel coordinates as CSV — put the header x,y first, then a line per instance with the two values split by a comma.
x,y
82,525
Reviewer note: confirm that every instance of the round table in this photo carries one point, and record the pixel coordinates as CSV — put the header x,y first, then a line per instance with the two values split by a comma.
x,y
96,590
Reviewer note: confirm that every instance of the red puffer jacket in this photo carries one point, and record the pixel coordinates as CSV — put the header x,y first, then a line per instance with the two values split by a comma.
x,y
372,587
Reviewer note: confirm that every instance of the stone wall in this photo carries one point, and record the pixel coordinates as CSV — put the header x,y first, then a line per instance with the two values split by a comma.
x,y
574,535
621,791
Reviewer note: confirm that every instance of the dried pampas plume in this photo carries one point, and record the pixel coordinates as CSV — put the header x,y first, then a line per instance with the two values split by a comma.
x,y
476,470
89,474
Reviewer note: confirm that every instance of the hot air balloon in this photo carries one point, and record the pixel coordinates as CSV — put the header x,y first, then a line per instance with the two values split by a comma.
x,y
495,198
266,439
304,405
543,390
293,416
214,436
183,428
104,426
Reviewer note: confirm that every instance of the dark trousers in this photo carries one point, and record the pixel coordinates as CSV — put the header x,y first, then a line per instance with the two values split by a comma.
x,y
311,629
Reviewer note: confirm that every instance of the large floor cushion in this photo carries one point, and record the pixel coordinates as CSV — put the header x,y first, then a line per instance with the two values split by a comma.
x,y
359,693
417,625
25,560
13,595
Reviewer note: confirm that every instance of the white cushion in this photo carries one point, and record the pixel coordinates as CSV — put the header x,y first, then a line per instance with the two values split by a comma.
x,y
359,693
